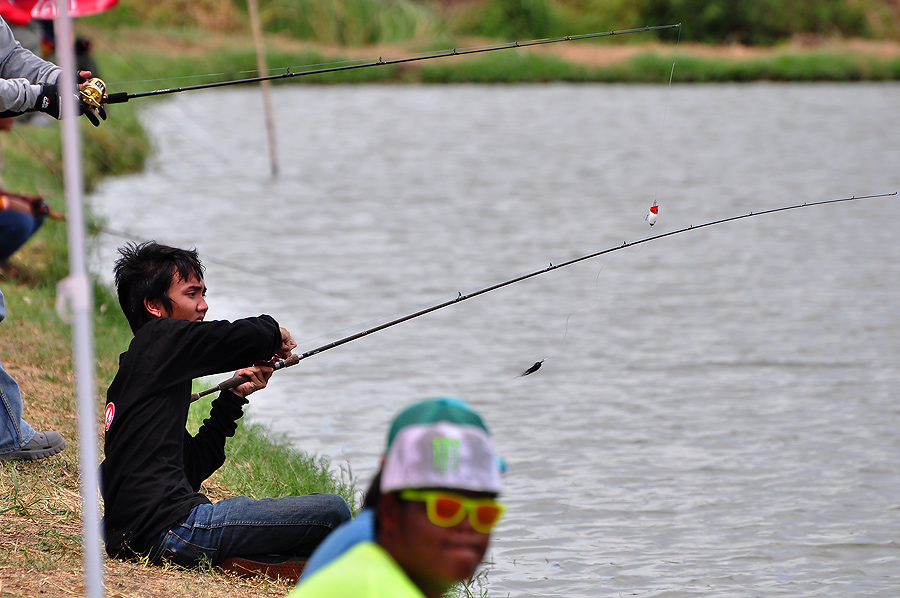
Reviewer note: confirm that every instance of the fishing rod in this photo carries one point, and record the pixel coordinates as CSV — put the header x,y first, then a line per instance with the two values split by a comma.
x,y
122,96
275,364
33,205
295,359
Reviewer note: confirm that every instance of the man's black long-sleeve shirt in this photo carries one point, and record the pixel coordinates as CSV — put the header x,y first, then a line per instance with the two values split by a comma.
x,y
153,468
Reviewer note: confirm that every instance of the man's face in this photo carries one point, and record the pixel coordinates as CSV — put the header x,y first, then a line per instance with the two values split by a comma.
x,y
188,299
432,554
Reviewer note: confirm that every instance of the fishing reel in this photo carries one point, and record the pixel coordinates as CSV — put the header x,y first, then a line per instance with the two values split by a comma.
x,y
92,95
92,92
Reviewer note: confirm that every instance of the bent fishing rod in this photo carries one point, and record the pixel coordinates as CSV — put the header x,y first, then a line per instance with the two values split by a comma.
x,y
120,97
295,359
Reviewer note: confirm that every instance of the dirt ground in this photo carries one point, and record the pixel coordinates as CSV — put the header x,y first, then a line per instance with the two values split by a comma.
x,y
40,535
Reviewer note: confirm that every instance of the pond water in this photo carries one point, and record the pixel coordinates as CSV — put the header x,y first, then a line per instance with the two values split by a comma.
x,y
717,410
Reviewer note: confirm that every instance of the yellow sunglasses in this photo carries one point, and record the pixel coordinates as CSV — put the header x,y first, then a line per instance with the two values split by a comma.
x,y
447,509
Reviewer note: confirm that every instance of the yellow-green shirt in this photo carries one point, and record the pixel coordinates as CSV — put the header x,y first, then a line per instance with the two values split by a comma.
x,y
364,571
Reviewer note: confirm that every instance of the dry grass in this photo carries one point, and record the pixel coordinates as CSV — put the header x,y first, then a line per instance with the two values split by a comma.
x,y
597,55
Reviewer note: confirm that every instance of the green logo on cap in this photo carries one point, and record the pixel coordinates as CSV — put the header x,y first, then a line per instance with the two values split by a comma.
x,y
446,454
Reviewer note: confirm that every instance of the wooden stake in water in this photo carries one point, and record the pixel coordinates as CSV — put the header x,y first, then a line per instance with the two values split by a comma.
x,y
264,86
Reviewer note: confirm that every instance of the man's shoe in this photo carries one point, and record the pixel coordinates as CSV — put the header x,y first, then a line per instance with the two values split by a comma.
x,y
277,567
42,444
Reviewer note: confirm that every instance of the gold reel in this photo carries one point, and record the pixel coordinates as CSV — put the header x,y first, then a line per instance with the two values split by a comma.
x,y
93,92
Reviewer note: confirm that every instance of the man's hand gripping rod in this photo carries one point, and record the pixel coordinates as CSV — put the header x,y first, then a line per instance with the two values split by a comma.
x,y
93,96
238,380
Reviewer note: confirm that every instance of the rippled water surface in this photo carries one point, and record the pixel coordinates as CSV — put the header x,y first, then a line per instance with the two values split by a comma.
x,y
717,411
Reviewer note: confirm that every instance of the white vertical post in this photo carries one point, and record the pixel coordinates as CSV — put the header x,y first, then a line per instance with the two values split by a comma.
x,y
264,86
77,288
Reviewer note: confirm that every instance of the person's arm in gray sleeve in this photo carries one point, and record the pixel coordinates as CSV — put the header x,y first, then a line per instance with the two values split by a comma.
x,y
22,75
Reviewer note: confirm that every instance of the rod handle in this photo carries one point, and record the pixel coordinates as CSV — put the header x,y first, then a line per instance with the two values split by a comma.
x,y
238,380
116,98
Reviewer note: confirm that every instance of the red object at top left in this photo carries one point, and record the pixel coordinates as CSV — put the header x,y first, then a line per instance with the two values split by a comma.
x,y
20,12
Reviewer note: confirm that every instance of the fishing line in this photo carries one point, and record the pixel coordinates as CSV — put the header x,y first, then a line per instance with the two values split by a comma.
x,y
112,54
537,365
96,228
338,66
218,262
665,113
653,210
597,288
331,67
625,244
50,214
315,65
37,154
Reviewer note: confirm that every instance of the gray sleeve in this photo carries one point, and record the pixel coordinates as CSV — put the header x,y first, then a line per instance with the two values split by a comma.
x,y
21,73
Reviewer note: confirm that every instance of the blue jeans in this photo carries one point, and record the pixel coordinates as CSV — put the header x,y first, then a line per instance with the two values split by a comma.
x,y
291,526
14,431
15,229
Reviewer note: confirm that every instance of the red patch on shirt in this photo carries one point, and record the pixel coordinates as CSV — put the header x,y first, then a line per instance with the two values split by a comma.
x,y
110,414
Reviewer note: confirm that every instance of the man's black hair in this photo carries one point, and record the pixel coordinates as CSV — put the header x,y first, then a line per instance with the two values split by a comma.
x,y
372,500
373,495
146,271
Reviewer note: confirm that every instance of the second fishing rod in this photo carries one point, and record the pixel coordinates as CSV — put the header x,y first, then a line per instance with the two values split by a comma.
x,y
123,96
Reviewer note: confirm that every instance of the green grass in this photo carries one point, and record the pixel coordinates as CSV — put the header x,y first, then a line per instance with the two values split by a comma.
x,y
522,66
351,22
503,66
260,466
357,22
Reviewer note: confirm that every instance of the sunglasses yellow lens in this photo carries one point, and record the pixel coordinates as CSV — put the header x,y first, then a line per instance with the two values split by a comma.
x,y
487,515
448,510
445,510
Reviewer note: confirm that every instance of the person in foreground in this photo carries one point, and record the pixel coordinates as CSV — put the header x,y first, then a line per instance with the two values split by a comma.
x,y
430,510
153,469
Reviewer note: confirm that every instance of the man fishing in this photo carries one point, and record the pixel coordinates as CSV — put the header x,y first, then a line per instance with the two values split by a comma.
x,y
29,83
153,469
429,511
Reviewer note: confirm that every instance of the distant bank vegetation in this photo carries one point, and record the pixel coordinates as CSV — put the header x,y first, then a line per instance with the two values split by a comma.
x,y
359,22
